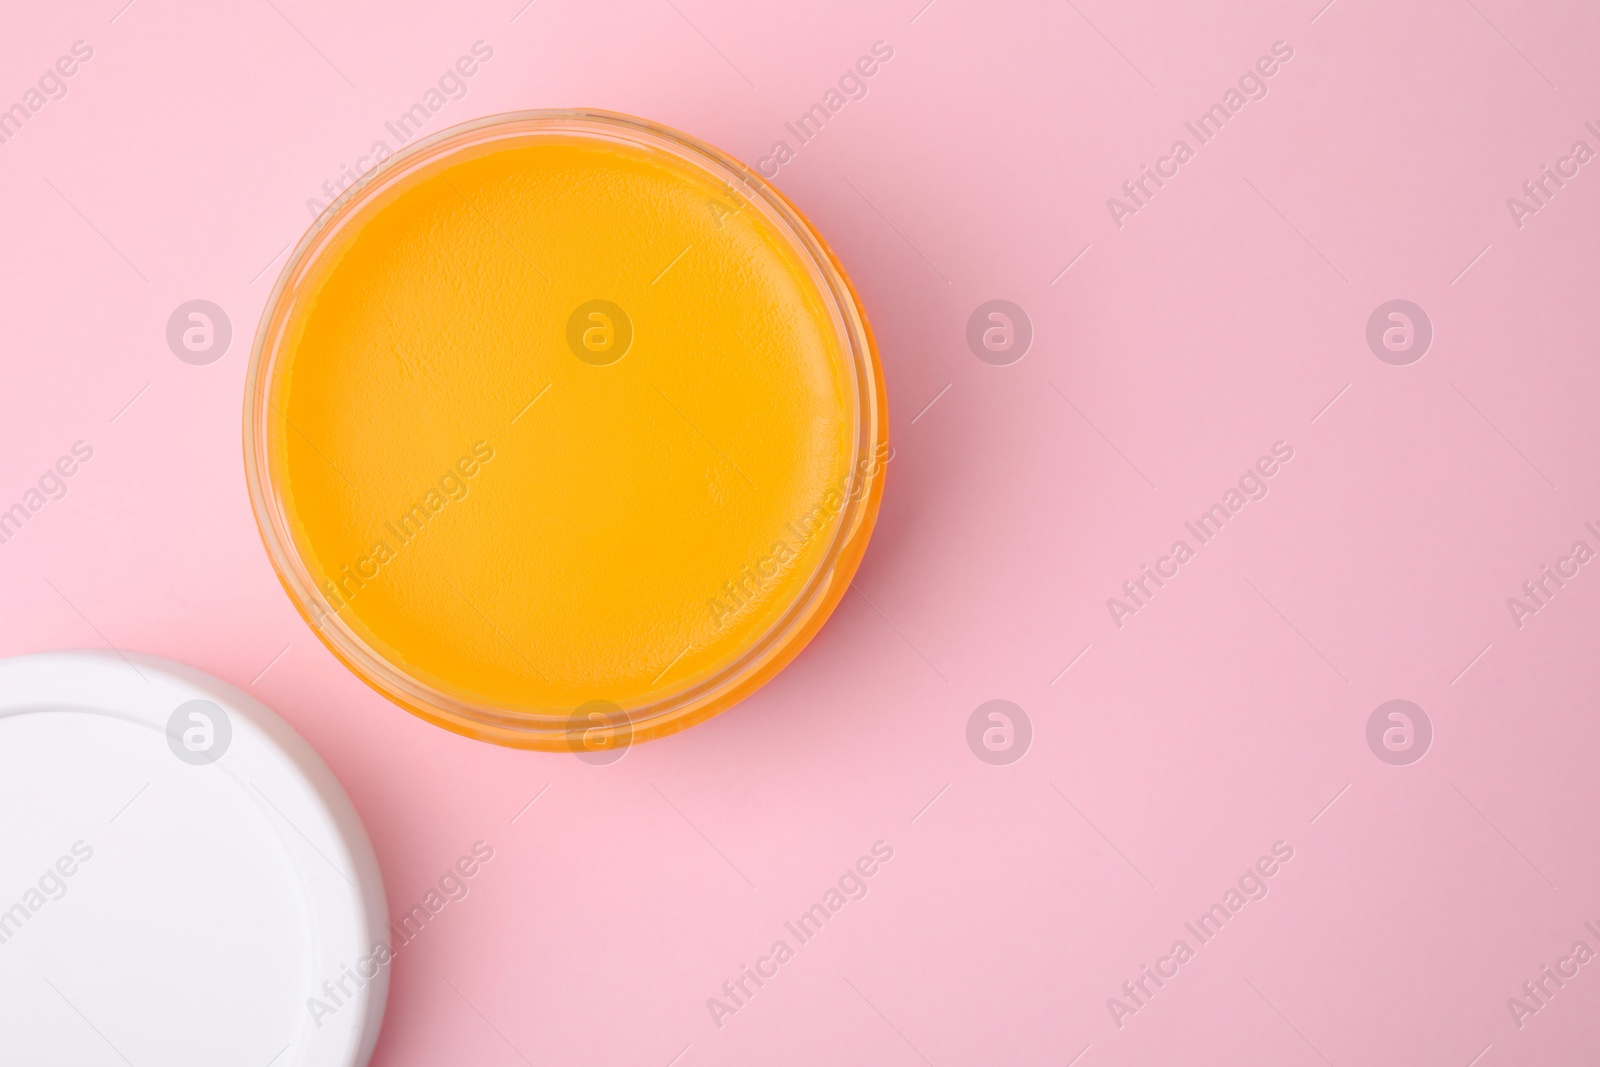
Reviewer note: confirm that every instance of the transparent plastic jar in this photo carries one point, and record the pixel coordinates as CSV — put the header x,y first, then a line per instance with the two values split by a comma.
x,y
596,726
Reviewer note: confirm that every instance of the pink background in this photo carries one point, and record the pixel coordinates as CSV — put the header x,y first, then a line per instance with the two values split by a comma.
x,y
1222,317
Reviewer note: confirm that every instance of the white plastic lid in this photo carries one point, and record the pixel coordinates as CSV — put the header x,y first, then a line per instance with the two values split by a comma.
x,y
180,874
